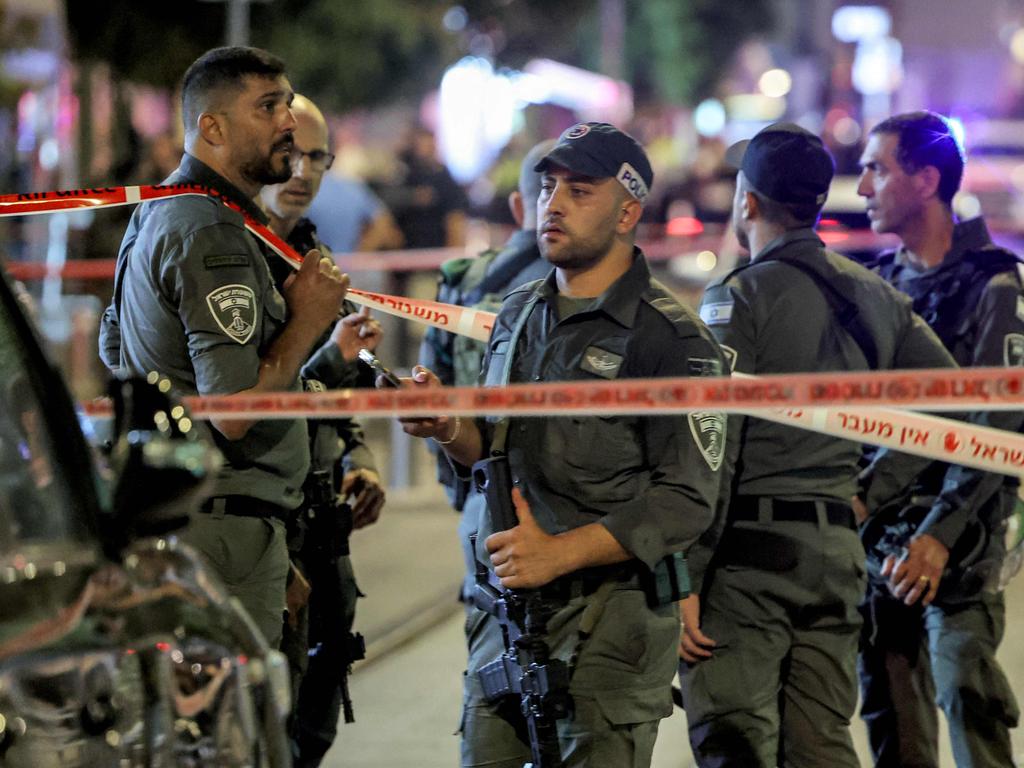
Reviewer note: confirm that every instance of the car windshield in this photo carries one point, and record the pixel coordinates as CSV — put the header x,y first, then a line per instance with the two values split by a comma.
x,y
37,511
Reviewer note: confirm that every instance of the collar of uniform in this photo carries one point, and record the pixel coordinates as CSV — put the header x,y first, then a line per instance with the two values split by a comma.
x,y
787,237
622,298
197,171
968,236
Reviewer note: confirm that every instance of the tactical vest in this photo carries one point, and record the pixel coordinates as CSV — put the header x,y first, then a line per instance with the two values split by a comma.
x,y
460,279
947,299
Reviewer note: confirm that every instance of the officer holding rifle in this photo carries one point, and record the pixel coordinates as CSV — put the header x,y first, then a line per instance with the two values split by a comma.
x,y
572,645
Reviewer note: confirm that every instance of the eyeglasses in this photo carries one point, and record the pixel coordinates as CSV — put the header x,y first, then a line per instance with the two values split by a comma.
x,y
319,160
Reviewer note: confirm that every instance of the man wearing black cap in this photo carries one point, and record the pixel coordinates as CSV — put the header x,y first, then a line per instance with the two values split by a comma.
x,y
770,634
604,504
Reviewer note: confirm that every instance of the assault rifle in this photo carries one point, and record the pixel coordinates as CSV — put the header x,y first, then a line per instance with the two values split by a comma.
x,y
525,669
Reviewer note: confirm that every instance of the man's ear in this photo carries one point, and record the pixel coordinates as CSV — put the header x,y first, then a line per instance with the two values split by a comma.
x,y
515,205
212,128
630,212
749,207
927,180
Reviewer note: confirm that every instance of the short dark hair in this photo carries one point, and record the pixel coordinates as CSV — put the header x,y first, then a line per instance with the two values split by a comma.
x,y
925,138
222,69
786,215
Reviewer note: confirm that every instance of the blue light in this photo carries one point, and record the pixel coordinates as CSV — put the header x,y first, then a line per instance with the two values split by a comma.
x,y
709,117
956,129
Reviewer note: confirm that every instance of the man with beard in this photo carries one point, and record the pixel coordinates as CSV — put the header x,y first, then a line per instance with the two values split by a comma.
x,y
770,636
934,612
482,282
195,301
318,637
604,505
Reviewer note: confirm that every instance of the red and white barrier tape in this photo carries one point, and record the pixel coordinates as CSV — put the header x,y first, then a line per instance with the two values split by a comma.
x,y
852,414
801,394
447,317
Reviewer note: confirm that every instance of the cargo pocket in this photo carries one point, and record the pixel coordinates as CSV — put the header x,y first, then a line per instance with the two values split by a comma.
x,y
633,648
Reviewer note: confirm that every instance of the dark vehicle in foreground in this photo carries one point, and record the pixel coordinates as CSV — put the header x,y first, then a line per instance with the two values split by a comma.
x,y
117,646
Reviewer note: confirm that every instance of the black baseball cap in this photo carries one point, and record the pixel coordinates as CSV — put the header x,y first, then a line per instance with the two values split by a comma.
x,y
602,151
785,163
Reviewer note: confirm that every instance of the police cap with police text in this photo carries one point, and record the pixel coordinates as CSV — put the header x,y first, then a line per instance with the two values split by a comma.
x,y
602,151
785,163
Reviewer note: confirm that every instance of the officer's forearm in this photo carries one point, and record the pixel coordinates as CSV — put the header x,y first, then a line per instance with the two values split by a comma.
x,y
466,446
588,546
279,368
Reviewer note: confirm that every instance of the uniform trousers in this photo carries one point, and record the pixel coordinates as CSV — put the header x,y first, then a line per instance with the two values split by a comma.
x,y
250,555
942,655
781,686
620,687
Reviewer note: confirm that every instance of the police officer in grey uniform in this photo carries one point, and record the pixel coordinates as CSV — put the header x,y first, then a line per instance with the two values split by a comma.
x,y
195,301
934,615
769,644
600,501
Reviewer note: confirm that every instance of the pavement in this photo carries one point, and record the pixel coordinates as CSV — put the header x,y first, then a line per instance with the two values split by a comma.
x,y
407,693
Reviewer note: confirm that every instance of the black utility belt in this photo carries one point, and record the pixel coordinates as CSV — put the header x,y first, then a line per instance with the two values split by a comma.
x,y
587,581
769,550
244,506
668,583
748,509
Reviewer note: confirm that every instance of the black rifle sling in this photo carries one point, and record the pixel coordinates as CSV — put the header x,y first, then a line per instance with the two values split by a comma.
x,y
500,437
846,311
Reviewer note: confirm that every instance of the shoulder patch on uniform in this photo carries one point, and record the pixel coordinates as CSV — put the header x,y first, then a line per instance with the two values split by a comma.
x,y
1020,308
730,356
708,430
225,260
1013,350
601,362
234,309
716,313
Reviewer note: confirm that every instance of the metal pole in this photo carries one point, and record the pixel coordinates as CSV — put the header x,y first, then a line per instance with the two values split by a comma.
x,y
238,22
613,35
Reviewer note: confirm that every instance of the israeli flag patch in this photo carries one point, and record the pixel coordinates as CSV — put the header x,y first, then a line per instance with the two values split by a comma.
x,y
716,313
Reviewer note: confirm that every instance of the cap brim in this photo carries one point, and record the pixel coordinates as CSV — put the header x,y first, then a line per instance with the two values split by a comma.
x,y
572,160
734,154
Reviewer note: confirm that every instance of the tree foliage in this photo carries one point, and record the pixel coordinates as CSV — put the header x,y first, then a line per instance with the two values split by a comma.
x,y
680,48
150,43
358,52
365,52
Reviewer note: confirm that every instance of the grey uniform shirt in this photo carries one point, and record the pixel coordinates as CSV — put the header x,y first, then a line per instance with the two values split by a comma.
x,y
772,317
198,305
651,481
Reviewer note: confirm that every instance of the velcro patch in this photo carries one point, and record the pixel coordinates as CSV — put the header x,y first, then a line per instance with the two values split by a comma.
x,y
1013,350
234,309
601,363
708,429
716,313
632,181
225,260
